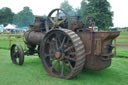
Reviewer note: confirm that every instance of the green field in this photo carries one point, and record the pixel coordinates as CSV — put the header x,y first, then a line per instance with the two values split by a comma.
x,y
33,73
122,51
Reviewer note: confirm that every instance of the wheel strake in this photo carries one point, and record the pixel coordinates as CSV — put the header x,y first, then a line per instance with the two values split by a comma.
x,y
70,56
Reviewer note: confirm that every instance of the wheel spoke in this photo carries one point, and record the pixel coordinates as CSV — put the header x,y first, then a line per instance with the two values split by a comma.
x,y
52,20
69,58
54,65
57,17
53,27
59,66
62,44
62,21
62,70
67,67
70,65
56,44
68,48
15,54
57,39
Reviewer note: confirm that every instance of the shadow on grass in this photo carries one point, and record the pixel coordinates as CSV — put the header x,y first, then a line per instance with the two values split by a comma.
x,y
108,74
122,56
85,72
32,61
94,76
4,48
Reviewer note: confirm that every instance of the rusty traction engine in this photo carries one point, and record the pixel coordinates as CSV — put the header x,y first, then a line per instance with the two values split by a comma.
x,y
66,46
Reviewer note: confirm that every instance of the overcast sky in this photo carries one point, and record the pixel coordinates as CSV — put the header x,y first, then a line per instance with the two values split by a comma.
x,y
41,7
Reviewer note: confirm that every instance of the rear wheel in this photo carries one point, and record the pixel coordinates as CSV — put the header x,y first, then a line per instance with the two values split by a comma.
x,y
62,53
17,54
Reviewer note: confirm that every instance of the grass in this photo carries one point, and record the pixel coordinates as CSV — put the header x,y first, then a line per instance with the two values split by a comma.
x,y
122,51
32,73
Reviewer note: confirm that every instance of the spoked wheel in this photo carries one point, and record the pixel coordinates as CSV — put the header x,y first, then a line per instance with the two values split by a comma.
x,y
17,54
57,17
62,53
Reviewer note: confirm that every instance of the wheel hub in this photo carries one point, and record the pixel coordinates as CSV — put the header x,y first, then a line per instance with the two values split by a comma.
x,y
59,54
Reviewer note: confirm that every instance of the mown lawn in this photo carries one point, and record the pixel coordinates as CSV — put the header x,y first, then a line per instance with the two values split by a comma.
x,y
32,73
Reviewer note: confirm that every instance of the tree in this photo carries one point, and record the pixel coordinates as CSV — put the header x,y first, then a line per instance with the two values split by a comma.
x,y
67,7
6,16
99,11
83,10
24,17
77,11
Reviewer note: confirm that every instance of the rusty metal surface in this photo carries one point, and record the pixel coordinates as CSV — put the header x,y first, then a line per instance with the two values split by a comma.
x,y
33,38
98,50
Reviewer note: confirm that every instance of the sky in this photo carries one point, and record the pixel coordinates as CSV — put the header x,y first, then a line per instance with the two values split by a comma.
x,y
41,7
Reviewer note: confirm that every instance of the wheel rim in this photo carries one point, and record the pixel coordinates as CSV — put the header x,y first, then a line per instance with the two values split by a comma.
x,y
17,54
60,56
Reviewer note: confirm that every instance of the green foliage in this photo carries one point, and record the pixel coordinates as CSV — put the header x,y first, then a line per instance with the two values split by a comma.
x,y
77,11
24,17
83,10
99,11
68,8
6,16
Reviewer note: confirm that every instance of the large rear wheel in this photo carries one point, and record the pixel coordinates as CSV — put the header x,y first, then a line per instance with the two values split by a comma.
x,y
62,53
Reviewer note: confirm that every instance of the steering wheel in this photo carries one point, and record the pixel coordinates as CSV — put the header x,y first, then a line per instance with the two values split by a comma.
x,y
55,22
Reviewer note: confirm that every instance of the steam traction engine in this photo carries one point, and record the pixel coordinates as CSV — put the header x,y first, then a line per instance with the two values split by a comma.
x,y
65,46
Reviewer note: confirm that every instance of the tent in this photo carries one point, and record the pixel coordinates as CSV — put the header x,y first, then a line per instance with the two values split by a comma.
x,y
1,28
9,26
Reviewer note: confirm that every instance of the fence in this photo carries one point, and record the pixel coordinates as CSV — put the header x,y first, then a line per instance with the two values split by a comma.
x,y
119,44
9,39
9,36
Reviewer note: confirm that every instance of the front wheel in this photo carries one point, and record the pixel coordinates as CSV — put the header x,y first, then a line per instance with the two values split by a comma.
x,y
17,54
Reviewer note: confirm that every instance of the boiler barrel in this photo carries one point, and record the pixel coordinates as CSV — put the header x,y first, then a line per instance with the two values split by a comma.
x,y
33,38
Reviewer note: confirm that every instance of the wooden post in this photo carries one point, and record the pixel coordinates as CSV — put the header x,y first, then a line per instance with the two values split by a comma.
x,y
115,47
9,39
24,46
